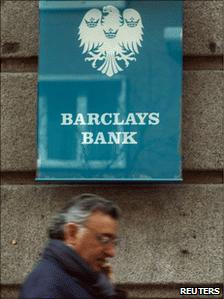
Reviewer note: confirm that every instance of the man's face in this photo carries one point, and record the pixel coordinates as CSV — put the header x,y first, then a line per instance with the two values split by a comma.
x,y
91,241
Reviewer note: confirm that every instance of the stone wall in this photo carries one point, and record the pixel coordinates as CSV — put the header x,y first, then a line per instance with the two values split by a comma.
x,y
172,235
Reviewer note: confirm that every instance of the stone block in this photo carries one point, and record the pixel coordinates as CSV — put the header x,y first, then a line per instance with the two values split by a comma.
x,y
202,121
203,28
18,121
169,233
19,28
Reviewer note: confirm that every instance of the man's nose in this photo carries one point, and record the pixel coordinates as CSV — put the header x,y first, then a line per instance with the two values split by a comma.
x,y
110,250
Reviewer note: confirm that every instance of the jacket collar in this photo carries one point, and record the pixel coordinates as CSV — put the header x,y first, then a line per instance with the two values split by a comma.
x,y
69,260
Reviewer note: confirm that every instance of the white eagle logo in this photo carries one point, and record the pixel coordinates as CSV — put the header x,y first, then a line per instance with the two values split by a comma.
x,y
109,38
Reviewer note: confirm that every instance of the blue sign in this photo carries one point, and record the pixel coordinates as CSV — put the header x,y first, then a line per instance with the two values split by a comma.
x,y
109,90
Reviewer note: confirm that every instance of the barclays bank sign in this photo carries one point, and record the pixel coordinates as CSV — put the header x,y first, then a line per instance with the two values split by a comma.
x,y
109,90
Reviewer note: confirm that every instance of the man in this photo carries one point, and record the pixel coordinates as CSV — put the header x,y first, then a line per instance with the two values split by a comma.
x,y
74,264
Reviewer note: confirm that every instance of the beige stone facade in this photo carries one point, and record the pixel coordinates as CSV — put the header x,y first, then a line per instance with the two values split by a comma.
x,y
172,235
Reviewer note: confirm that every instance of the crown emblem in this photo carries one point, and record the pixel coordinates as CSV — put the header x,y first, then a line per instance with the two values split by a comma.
x,y
131,22
92,23
110,33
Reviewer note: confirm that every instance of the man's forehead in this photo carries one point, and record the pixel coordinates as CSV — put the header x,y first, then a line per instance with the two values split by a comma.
x,y
99,219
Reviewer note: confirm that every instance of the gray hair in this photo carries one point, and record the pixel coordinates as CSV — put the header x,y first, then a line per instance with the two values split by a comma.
x,y
78,211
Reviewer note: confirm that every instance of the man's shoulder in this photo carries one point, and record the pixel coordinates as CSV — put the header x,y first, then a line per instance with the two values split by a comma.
x,y
48,280
46,270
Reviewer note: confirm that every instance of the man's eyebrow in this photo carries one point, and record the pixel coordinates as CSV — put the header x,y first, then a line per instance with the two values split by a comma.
x,y
109,235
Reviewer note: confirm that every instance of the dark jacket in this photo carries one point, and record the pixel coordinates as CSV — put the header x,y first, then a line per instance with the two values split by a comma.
x,y
63,274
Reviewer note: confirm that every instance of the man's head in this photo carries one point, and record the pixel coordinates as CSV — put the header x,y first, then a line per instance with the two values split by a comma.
x,y
89,225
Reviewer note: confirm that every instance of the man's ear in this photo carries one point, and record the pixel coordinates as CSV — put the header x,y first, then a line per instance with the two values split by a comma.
x,y
70,233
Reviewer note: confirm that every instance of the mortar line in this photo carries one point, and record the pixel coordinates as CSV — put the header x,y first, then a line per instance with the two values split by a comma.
x,y
189,177
190,62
